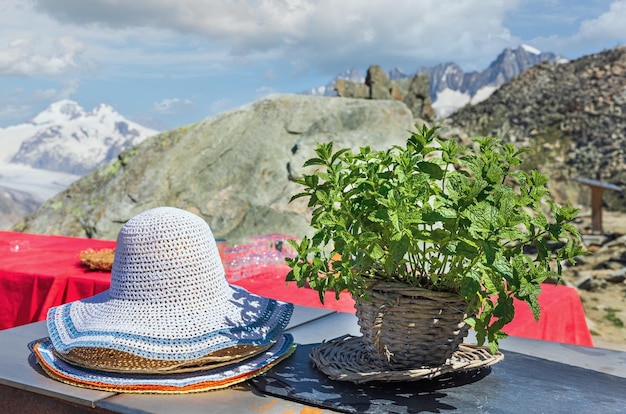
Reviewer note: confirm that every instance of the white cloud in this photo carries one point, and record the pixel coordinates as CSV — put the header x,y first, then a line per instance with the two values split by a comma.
x,y
23,57
610,25
310,33
171,106
156,38
21,104
68,88
12,113
605,31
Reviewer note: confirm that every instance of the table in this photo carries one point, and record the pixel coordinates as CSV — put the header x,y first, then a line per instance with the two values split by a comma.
x,y
40,271
535,376
46,272
562,318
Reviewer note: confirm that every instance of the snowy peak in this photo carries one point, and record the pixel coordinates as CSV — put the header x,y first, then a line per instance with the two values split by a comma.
x,y
397,73
58,112
105,110
509,63
452,88
66,138
66,111
531,49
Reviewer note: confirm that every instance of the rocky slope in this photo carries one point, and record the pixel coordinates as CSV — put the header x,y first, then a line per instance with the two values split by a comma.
x,y
572,114
14,205
601,280
235,170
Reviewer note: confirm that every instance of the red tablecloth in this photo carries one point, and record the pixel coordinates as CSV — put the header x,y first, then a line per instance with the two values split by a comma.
x,y
45,271
562,315
562,318
37,272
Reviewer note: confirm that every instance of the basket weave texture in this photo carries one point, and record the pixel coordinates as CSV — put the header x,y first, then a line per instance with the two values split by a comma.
x,y
344,359
406,327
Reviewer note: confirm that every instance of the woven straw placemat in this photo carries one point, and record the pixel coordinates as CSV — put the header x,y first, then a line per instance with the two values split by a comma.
x,y
346,359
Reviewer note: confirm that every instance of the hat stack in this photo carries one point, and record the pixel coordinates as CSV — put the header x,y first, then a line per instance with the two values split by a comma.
x,y
170,322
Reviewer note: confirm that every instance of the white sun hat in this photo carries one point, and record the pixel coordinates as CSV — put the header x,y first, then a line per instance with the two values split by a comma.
x,y
169,299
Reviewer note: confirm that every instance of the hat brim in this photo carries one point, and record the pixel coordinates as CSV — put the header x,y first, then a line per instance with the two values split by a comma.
x,y
176,333
112,360
179,383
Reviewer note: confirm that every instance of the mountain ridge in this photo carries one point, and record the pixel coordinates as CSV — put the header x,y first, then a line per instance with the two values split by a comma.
x,y
43,156
450,86
66,138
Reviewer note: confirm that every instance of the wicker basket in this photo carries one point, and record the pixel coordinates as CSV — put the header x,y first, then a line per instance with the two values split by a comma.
x,y
408,327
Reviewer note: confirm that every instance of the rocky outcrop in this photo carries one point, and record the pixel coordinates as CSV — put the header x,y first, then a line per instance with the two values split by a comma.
x,y
605,267
414,91
572,114
349,89
14,205
235,170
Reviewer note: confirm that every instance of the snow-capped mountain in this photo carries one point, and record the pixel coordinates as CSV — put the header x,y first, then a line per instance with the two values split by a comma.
x,y
452,88
66,138
42,157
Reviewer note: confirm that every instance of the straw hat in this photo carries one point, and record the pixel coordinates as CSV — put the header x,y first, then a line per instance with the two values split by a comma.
x,y
176,383
169,305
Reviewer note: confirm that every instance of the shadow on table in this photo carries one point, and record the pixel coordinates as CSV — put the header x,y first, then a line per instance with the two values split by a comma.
x,y
296,379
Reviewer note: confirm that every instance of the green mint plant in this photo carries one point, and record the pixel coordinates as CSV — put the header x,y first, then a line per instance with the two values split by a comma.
x,y
436,215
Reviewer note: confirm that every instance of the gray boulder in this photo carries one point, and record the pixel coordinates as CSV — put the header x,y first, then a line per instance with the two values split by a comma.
x,y
413,91
378,82
235,169
347,88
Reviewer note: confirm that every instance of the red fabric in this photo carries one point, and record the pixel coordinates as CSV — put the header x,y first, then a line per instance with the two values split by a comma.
x,y
47,272
270,282
562,318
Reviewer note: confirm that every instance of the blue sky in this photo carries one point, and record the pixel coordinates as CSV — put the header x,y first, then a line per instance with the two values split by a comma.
x,y
167,63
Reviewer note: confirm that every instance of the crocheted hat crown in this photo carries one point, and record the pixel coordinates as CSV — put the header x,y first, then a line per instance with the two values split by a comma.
x,y
169,298
167,256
